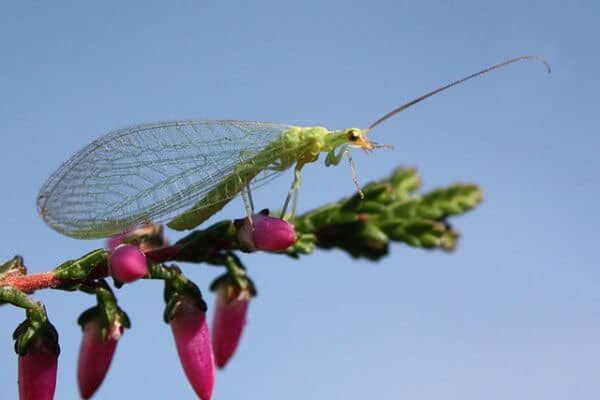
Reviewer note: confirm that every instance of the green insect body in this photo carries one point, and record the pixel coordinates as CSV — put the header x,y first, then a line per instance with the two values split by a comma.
x,y
298,145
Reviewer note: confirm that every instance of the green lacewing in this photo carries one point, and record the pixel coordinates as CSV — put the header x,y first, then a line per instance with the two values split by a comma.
x,y
185,171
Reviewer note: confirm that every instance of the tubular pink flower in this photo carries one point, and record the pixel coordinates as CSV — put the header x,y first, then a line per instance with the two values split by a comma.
x,y
127,263
192,340
228,322
37,372
95,356
266,233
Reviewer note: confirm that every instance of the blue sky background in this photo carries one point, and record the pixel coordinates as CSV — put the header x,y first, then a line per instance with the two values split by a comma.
x,y
514,313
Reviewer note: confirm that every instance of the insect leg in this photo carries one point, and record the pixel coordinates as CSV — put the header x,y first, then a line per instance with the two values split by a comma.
x,y
250,198
294,203
293,191
334,159
354,176
248,203
246,194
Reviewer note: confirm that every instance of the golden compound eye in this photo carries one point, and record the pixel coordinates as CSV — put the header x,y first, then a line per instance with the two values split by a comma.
x,y
353,135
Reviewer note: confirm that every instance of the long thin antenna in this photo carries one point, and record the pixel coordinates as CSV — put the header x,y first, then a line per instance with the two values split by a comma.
x,y
458,82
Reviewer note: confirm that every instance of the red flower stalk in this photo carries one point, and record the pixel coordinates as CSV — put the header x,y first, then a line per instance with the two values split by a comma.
x,y
95,355
127,263
37,371
265,233
229,320
192,340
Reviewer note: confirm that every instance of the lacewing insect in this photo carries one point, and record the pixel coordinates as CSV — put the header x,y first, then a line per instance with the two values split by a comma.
x,y
185,171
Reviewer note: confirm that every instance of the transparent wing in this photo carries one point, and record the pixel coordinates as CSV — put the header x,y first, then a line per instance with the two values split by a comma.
x,y
148,173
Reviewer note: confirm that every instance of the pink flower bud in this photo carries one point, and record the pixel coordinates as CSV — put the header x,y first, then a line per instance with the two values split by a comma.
x,y
37,371
228,322
127,263
95,355
192,340
266,233
272,234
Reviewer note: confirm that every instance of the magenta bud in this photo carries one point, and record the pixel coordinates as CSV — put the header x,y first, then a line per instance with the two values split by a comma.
x,y
37,371
266,233
229,320
127,263
272,234
192,340
95,356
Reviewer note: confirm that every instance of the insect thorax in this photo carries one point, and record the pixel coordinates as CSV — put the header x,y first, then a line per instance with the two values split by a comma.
x,y
302,145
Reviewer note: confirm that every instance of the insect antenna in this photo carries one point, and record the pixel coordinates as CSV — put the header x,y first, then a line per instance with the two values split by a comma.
x,y
458,82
